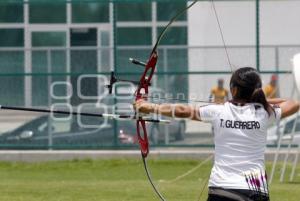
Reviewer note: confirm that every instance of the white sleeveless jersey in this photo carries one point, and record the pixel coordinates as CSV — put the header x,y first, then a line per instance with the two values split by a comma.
x,y
240,134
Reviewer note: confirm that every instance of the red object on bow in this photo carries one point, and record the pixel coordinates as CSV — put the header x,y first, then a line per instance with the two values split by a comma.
x,y
141,93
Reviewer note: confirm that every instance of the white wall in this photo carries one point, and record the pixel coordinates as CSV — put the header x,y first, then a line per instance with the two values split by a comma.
x,y
236,18
280,25
280,22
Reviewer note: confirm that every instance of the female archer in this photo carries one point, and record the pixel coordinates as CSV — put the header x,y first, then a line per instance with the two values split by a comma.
x,y
240,128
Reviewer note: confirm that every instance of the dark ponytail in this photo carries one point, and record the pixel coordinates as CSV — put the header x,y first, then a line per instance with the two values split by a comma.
x,y
248,86
258,96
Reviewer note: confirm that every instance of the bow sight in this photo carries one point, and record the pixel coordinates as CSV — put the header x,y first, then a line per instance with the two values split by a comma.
x,y
113,79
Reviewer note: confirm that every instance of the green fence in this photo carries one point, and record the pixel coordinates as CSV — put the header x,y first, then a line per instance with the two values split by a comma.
x,y
61,53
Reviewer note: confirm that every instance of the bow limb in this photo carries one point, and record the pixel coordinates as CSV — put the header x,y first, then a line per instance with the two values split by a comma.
x,y
181,12
142,92
145,80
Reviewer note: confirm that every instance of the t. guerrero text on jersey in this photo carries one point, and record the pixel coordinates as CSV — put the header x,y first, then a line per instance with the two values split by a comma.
x,y
254,125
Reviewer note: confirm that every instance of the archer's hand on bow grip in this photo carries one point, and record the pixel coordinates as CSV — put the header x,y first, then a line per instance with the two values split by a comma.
x,y
142,106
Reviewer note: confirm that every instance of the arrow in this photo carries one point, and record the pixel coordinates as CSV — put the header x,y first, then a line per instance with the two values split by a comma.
x,y
103,115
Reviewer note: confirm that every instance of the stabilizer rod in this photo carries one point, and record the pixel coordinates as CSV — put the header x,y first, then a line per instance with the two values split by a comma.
x,y
137,62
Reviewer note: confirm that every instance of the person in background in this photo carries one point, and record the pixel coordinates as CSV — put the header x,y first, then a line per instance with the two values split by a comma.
x,y
219,94
271,90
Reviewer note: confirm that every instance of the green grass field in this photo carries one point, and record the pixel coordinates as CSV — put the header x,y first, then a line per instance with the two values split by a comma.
x,y
112,180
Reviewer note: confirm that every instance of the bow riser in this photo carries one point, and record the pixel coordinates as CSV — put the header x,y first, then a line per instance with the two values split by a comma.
x,y
146,78
143,141
142,93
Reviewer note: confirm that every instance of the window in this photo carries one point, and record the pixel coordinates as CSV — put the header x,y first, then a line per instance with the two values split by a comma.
x,y
40,39
47,12
11,37
134,36
165,11
11,12
41,60
12,92
133,11
177,60
40,91
174,36
12,62
84,37
83,61
86,12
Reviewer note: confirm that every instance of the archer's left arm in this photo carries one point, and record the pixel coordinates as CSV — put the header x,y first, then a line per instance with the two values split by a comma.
x,y
170,110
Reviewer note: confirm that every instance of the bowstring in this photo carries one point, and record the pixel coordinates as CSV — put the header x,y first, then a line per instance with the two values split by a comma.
x,y
230,65
222,34
203,188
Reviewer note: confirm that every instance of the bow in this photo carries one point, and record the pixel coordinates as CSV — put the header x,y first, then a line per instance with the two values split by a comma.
x,y
144,83
142,93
